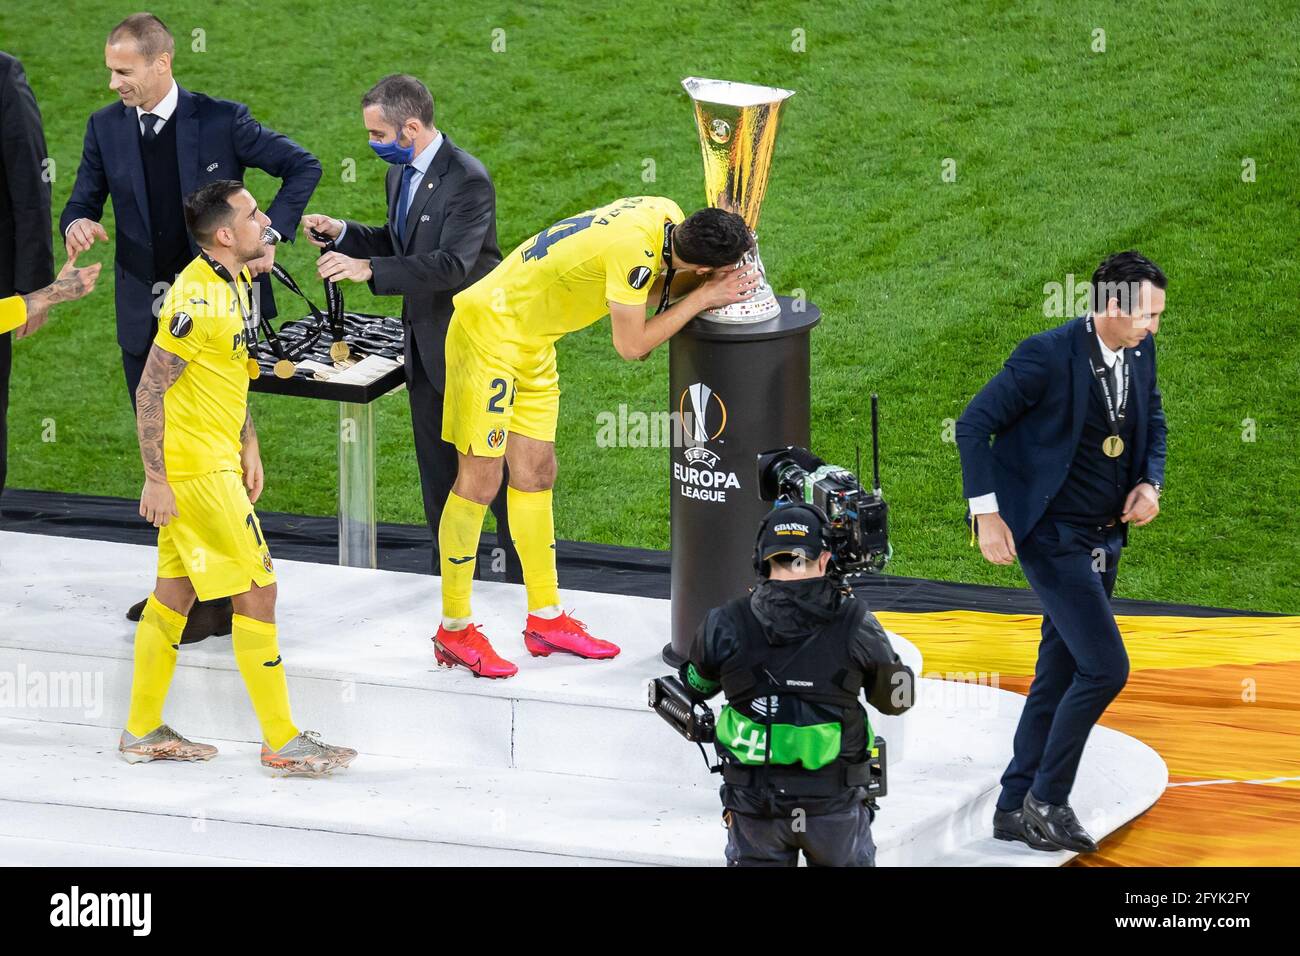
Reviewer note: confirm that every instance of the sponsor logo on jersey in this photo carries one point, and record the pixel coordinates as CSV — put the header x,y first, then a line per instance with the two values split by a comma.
x,y
181,325
496,438
639,276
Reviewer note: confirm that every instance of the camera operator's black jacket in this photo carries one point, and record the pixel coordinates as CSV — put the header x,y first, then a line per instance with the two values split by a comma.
x,y
808,647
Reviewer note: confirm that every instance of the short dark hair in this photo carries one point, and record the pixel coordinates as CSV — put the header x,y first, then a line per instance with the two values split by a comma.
x,y
712,237
1120,276
401,97
150,34
208,208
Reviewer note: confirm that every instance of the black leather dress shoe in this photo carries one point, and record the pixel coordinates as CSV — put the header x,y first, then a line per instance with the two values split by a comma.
x,y
206,619
1010,825
1058,823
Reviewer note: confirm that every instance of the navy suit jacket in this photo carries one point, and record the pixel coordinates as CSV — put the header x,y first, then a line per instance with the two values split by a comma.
x,y
450,243
215,139
1034,410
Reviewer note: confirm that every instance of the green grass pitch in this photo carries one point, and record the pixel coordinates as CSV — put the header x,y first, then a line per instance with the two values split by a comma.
x,y
1179,139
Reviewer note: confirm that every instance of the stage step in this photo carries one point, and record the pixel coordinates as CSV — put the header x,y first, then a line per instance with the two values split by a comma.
x,y
561,765
357,649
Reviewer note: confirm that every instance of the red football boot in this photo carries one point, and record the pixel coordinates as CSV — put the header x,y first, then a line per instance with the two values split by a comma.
x,y
543,636
469,648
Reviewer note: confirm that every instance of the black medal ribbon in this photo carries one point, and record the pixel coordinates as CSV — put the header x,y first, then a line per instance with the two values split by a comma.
x,y
252,316
668,266
333,301
1115,412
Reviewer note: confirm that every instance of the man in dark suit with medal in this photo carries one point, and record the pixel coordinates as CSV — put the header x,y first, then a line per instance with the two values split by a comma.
x,y
1077,458
440,238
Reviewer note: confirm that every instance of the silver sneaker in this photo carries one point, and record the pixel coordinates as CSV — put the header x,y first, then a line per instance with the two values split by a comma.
x,y
162,743
306,753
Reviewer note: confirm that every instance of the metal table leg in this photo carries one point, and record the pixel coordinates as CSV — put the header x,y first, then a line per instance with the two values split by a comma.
x,y
356,485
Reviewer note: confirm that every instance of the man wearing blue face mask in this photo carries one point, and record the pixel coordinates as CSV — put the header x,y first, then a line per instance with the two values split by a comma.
x,y
440,238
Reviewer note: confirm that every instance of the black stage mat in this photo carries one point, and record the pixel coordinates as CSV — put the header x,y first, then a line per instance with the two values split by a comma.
x,y
605,568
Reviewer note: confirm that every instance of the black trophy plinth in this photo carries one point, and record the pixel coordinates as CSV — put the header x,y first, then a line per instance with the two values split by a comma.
x,y
740,389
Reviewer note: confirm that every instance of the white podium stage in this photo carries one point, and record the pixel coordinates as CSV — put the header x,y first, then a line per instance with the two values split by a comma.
x,y
562,764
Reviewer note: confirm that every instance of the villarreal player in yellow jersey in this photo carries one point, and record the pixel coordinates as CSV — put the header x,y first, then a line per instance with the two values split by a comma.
x,y
502,398
203,471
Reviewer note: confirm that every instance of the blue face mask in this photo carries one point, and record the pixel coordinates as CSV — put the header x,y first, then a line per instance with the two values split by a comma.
x,y
393,153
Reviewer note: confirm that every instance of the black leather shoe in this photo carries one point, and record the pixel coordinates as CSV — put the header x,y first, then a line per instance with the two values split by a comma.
x,y
1010,825
206,619
1058,823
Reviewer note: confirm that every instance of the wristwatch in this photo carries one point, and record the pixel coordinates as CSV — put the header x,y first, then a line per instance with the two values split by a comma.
x,y
1154,484
270,236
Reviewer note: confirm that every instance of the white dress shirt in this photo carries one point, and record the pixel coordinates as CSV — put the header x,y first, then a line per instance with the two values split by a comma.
x,y
985,504
163,110
421,163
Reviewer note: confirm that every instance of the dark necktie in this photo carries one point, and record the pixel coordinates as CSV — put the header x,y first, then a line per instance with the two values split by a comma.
x,y
151,124
403,202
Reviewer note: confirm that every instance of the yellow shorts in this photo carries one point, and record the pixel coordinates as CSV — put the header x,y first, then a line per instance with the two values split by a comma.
x,y
215,539
491,394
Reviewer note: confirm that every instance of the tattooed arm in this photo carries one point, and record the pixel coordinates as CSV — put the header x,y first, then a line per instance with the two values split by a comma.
x,y
161,370
251,458
71,283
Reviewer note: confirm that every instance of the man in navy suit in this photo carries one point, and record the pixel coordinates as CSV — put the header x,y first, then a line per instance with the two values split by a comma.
x,y
440,238
1077,458
157,145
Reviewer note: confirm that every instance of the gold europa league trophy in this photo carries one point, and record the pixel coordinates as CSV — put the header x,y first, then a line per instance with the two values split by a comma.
x,y
737,127
743,370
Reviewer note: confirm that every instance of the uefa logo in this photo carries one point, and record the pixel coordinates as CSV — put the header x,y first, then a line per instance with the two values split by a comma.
x,y
703,415
707,416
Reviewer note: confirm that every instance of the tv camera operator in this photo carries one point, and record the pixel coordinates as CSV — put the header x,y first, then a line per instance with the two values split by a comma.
x,y
800,762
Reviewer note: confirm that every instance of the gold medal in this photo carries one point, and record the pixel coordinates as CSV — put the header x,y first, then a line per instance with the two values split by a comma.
x,y
339,351
284,369
1113,446
253,370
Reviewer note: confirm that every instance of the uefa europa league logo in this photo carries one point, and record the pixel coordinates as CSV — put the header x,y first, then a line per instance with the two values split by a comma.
x,y
737,125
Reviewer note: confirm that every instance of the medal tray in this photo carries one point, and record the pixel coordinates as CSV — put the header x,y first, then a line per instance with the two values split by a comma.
x,y
365,334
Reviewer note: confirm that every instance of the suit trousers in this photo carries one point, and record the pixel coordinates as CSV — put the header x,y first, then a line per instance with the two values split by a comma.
x,y
437,462
1082,664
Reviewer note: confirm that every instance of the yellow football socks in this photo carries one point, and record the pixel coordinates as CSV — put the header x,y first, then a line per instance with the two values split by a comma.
x,y
157,639
257,652
532,527
458,536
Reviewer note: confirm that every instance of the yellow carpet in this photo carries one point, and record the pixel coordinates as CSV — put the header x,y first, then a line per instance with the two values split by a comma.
x,y
1218,698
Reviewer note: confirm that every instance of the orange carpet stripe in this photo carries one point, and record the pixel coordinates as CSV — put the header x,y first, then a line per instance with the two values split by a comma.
x,y
1217,698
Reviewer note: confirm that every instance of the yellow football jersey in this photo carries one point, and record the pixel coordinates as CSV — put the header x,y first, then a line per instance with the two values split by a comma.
x,y
13,313
564,278
200,321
